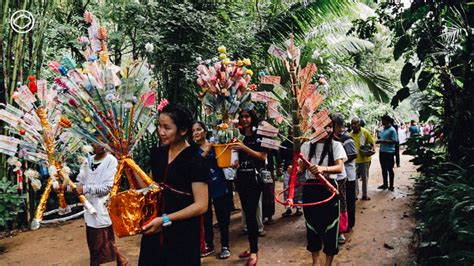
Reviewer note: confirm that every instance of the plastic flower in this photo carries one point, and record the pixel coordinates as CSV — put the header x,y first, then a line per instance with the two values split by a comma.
x,y
102,33
63,70
222,56
12,160
109,97
30,173
221,49
322,80
149,47
104,57
88,17
87,149
226,61
249,72
148,98
54,66
83,41
52,170
162,104
247,62
66,170
32,84
69,63
74,103
35,184
22,153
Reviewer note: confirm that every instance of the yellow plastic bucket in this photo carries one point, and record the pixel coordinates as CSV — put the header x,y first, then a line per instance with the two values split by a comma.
x,y
223,155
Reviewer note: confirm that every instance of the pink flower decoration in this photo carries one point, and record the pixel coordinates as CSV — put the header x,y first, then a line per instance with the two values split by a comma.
x,y
242,83
73,103
88,17
83,40
162,104
60,83
148,98
54,66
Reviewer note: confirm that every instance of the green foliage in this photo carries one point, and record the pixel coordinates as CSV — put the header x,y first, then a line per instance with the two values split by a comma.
x,y
445,194
10,202
435,39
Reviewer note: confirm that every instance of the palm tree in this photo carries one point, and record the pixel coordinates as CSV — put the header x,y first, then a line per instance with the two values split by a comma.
x,y
322,26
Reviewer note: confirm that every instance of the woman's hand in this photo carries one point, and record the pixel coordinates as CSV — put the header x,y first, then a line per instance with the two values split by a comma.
x,y
153,227
237,146
207,147
316,169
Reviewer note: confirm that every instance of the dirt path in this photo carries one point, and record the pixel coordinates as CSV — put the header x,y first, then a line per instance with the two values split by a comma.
x,y
384,220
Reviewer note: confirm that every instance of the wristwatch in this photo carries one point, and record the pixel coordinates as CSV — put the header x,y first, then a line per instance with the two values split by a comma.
x,y
166,220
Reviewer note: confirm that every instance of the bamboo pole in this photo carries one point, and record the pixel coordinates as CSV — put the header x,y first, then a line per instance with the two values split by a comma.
x,y
18,57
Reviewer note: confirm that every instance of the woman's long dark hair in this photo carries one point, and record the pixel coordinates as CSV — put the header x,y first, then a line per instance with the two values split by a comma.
x,y
255,119
327,148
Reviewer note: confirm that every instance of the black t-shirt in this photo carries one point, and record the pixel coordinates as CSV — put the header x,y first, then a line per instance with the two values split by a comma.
x,y
245,160
186,168
286,154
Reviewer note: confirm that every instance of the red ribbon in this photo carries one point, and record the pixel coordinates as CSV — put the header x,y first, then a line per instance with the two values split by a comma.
x,y
292,181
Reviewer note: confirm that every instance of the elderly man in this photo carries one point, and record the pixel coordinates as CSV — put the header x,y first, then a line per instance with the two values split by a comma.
x,y
362,137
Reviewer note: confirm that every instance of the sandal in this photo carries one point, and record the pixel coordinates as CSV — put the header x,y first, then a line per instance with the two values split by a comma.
x,y
225,253
244,254
252,261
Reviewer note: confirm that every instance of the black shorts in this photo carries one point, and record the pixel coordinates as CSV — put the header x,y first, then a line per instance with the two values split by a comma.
x,y
322,221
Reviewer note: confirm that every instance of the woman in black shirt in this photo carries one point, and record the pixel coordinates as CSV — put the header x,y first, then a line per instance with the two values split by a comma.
x,y
174,237
252,158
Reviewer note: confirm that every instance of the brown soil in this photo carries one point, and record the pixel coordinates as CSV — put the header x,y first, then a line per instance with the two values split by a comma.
x,y
382,236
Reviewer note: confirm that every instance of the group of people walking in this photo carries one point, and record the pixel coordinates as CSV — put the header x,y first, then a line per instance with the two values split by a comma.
x,y
185,166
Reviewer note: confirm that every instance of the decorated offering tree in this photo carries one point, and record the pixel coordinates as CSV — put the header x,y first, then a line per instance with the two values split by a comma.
x,y
112,106
40,136
306,121
225,89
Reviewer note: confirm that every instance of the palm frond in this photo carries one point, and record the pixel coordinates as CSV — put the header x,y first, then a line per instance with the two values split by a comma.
x,y
458,26
337,26
300,18
378,85
342,45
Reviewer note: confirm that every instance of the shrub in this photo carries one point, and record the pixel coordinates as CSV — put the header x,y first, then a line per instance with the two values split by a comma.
x,y
10,203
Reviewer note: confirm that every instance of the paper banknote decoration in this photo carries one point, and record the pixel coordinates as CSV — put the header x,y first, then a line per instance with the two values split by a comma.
x,y
271,80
